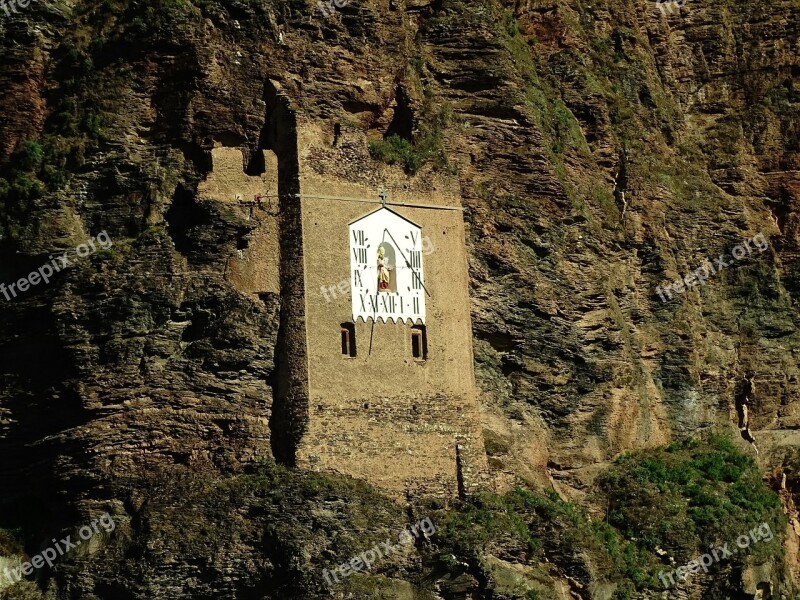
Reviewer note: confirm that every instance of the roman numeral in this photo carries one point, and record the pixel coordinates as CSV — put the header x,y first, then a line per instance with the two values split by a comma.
x,y
416,282
373,303
357,279
358,237
416,259
416,305
413,239
388,303
360,254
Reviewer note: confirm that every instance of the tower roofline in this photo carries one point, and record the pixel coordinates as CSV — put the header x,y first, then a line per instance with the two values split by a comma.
x,y
397,214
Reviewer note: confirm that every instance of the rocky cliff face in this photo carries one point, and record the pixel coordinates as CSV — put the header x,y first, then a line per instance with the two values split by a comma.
x,y
603,149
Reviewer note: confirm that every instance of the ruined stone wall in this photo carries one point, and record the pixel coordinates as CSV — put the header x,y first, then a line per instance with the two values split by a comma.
x,y
262,187
254,269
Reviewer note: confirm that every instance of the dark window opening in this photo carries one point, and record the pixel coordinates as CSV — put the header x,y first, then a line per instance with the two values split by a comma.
x,y
419,342
349,339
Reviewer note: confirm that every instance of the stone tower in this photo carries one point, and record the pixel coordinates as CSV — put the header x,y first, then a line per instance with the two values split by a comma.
x,y
391,386
374,379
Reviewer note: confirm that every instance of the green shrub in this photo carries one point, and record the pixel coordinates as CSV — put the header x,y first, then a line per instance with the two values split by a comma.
x,y
527,526
10,542
486,520
24,188
624,591
689,495
28,156
427,146
108,256
23,590
510,23
396,150
680,498
65,119
93,123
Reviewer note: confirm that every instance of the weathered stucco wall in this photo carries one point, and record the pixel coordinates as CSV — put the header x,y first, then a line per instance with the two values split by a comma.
x,y
383,415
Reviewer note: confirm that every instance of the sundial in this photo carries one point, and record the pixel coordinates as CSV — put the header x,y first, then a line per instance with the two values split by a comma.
x,y
387,278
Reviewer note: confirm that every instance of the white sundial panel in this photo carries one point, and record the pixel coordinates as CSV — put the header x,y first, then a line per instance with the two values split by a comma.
x,y
386,272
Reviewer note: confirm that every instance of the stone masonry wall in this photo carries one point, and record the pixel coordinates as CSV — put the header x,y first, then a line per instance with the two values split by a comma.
x,y
382,415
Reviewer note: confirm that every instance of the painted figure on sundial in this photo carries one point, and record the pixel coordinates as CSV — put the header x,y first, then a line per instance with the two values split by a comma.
x,y
384,278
